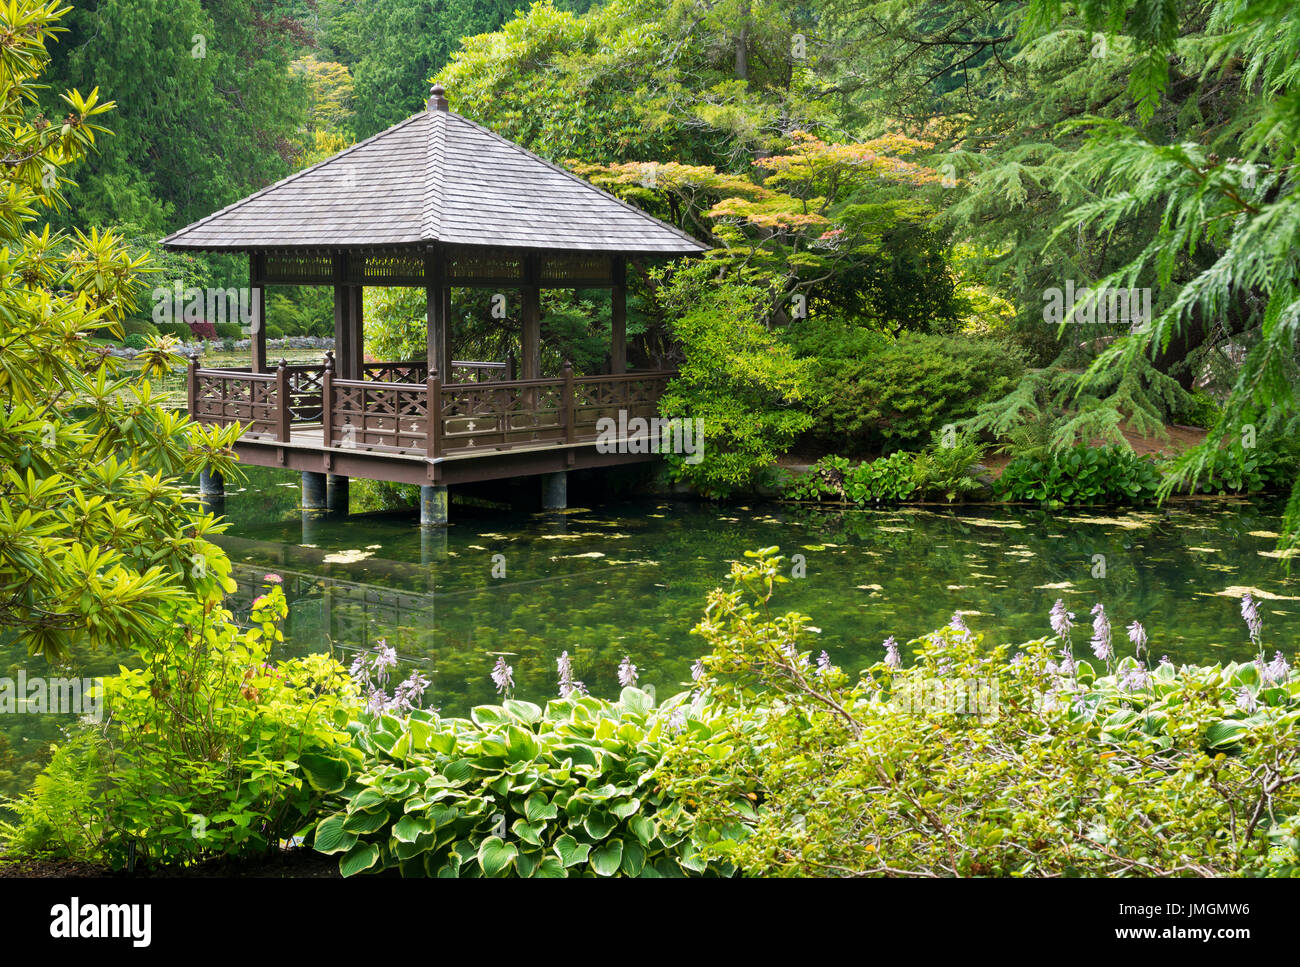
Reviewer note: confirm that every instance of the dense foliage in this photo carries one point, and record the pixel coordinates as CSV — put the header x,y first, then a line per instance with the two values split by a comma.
x,y
974,761
1081,475
97,540
516,790
908,391
205,749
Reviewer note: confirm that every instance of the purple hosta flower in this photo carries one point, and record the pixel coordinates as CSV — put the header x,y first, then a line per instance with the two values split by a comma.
x,y
503,676
677,722
959,626
697,670
1050,701
892,659
1101,646
1067,666
567,685
1134,678
1274,672
1164,660
1138,635
1250,611
385,659
795,658
358,668
627,675
406,696
824,663
1246,699
1062,621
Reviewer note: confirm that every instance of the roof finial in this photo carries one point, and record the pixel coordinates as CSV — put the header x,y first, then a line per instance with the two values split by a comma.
x,y
437,98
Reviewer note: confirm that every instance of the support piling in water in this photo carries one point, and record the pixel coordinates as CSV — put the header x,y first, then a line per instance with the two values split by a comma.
x,y
336,493
433,505
555,490
314,491
211,484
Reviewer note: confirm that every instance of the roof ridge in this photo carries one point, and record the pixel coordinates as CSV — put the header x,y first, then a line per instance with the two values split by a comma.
x,y
434,177
284,181
579,180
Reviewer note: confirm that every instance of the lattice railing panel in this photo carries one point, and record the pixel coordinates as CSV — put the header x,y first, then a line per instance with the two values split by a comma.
x,y
223,399
370,415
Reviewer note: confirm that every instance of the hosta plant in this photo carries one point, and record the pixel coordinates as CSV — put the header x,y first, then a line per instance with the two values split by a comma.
x,y
517,790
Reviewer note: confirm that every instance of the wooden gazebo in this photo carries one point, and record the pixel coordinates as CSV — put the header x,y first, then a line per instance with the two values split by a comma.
x,y
435,201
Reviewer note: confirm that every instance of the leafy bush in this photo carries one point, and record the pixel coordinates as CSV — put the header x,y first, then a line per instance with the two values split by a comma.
x,y
142,327
179,330
203,330
516,791
736,377
1271,464
900,396
1198,410
135,341
228,330
936,471
972,762
946,467
207,749
1081,475
887,479
832,341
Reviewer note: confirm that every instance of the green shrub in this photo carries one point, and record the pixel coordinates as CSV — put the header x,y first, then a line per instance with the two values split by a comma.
x,y
1198,410
142,327
737,377
516,790
890,478
1081,475
273,331
938,470
946,468
178,329
135,341
205,750
833,341
968,761
910,390
1271,464
229,330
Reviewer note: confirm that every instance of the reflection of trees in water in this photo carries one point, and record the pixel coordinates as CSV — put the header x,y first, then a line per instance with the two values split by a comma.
x,y
644,596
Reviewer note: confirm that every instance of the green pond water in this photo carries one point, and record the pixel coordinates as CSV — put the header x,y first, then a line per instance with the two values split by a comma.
x,y
629,578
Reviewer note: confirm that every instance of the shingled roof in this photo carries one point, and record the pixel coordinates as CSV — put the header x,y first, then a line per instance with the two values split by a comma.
x,y
434,178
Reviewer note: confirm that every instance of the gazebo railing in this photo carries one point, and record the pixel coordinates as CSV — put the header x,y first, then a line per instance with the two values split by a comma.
x,y
393,416
417,371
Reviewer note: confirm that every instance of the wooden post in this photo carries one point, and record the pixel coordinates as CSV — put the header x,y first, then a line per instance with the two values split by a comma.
x,y
618,319
570,423
257,311
433,421
435,310
512,366
192,387
283,415
530,340
348,362
356,311
327,401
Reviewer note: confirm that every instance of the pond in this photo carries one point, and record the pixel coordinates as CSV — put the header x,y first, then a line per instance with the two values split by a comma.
x,y
630,578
